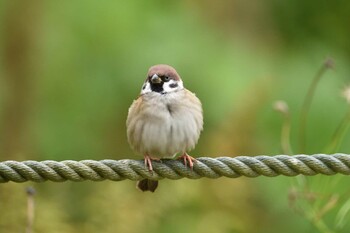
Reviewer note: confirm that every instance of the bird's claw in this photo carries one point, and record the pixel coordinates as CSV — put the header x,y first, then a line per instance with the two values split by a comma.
x,y
148,162
188,159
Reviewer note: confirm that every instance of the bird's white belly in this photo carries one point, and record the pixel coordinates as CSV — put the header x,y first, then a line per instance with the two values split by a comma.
x,y
165,135
164,129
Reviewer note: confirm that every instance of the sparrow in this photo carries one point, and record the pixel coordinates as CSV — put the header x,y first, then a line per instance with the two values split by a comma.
x,y
165,120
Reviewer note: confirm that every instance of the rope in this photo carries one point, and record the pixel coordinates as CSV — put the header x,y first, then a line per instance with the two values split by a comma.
x,y
117,170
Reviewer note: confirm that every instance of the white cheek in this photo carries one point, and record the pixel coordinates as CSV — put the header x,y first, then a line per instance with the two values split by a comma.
x,y
167,88
146,88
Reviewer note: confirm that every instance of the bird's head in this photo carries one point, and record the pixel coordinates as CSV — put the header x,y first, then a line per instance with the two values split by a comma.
x,y
162,79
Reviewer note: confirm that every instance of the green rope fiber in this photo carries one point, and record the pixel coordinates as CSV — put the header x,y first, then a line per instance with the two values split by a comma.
x,y
117,170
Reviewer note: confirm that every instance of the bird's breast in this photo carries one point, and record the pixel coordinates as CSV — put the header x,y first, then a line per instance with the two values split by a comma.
x,y
164,125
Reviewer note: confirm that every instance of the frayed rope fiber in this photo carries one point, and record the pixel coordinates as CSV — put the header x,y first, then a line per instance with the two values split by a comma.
x,y
118,170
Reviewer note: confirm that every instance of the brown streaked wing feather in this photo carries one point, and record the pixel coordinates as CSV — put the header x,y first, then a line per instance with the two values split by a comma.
x,y
136,105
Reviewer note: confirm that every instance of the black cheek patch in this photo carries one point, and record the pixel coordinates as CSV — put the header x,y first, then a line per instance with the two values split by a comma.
x,y
173,85
144,86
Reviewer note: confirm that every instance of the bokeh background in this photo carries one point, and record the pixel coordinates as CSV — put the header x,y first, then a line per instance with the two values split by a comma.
x,y
69,70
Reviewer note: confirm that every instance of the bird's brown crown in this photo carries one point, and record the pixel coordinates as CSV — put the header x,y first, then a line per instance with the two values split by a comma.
x,y
163,70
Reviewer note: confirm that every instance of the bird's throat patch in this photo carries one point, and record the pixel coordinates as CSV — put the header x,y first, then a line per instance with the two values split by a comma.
x,y
157,87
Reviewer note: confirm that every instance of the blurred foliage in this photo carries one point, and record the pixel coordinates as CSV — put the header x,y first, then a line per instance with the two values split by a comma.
x,y
70,70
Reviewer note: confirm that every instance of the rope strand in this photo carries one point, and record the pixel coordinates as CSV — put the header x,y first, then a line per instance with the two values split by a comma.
x,y
118,170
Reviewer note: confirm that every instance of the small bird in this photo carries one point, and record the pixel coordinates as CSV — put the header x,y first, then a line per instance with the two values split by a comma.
x,y
165,120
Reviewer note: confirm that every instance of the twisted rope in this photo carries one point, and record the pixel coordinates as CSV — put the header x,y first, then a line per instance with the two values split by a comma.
x,y
117,170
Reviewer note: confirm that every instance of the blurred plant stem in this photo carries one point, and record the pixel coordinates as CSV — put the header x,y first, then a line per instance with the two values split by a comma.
x,y
321,226
21,22
283,108
311,211
30,209
306,203
318,215
341,215
307,102
339,134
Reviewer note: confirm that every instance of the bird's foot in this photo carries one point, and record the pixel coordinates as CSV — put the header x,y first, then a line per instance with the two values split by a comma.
x,y
148,162
188,159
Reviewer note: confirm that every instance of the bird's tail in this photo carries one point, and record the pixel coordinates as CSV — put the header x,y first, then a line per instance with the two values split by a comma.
x,y
147,185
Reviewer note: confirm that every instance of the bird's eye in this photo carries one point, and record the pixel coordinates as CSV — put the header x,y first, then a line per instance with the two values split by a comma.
x,y
166,78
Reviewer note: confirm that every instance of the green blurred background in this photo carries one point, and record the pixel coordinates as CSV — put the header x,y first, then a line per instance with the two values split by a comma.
x,y
69,70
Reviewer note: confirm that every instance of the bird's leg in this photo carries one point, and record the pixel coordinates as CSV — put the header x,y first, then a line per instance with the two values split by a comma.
x,y
148,162
187,158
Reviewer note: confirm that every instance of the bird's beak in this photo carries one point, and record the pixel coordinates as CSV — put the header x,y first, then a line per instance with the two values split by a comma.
x,y
155,79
